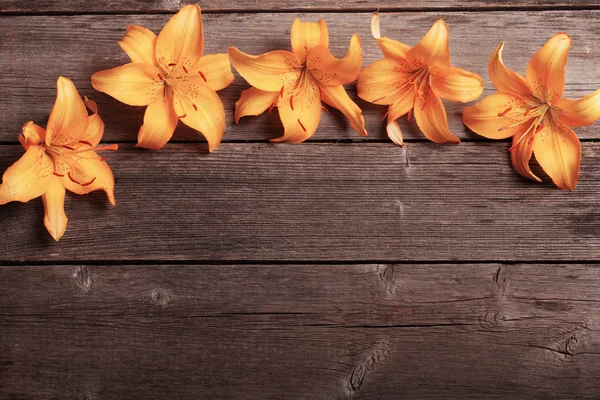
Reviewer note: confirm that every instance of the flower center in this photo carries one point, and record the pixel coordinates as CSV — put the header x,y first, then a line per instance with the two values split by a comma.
x,y
67,154
171,77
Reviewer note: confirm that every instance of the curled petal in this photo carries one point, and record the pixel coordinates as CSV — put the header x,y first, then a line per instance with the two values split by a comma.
x,y
520,153
337,97
395,133
582,112
558,151
390,48
139,44
433,50
459,86
86,173
307,35
270,71
160,121
136,84
95,128
55,218
28,178
254,101
431,118
383,82
504,79
69,118
498,116
181,41
546,69
301,115
31,134
200,108
332,71
215,68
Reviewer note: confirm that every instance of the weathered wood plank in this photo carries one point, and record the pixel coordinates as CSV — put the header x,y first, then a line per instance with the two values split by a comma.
x,y
300,331
77,46
152,6
317,202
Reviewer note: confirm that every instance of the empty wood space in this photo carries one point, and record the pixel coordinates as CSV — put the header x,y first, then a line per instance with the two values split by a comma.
x,y
345,267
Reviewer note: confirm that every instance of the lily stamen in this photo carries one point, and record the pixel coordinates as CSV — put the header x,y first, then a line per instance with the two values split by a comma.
x,y
301,125
203,76
503,113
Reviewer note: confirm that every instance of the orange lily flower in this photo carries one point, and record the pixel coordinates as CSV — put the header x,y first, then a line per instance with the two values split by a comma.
x,y
168,74
296,82
63,156
414,78
531,110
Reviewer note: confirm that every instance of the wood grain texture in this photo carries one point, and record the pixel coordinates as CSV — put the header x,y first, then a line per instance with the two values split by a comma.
x,y
314,332
316,201
34,51
153,6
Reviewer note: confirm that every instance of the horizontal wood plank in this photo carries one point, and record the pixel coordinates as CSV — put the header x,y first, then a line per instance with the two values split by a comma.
x,y
154,6
77,46
303,331
316,201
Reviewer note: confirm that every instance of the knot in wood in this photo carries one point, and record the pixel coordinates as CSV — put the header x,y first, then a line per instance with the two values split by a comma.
x,y
160,297
84,279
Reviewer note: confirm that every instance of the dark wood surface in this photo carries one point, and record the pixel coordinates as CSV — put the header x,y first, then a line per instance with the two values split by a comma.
x,y
342,268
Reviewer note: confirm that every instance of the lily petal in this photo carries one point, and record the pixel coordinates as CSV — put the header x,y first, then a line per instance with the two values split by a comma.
x,y
498,116
332,71
306,35
216,69
337,97
433,50
254,101
31,134
390,48
459,85
136,84
181,41
55,218
431,118
300,114
403,105
95,128
546,69
582,112
520,154
139,44
86,173
160,121
200,108
383,82
68,118
28,178
270,71
395,133
504,79
558,151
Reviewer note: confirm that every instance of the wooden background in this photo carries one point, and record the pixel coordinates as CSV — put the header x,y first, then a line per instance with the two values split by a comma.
x,y
345,267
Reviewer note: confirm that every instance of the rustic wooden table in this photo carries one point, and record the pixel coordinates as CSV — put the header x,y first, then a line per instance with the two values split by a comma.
x,y
343,267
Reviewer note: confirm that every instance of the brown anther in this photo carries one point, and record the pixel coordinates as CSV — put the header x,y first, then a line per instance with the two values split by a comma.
x,y
409,115
86,142
72,179
184,69
303,128
527,112
292,102
271,107
160,77
281,92
202,75
68,147
539,128
195,108
172,65
324,108
503,113
57,174
89,183
320,92
182,116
